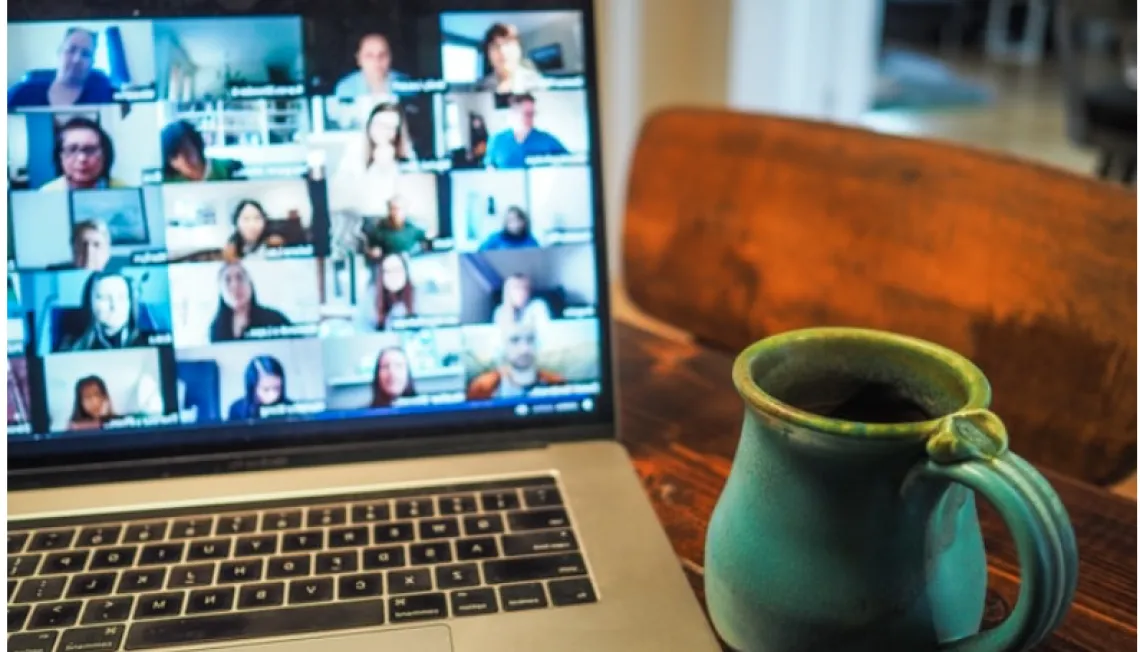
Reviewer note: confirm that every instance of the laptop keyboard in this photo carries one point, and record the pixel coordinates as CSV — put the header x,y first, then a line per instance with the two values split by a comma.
x,y
143,581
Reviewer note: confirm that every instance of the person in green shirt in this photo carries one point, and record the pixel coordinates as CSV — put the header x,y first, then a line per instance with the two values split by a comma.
x,y
394,234
184,156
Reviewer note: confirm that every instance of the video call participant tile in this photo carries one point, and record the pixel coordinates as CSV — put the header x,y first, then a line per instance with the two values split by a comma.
x,y
533,285
91,230
524,359
19,396
404,219
517,131
104,390
380,371
396,292
250,381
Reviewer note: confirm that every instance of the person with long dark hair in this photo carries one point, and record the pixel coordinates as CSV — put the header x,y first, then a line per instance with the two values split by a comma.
x,y
392,378
83,156
238,310
508,71
264,387
111,315
92,405
184,156
515,233
252,235
392,292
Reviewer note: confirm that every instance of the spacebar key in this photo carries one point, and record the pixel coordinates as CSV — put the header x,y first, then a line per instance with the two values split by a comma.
x,y
255,624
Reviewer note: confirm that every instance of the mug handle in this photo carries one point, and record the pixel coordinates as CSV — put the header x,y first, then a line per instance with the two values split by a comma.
x,y
971,448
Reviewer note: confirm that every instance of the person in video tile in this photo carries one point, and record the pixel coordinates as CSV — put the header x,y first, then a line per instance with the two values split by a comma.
x,y
264,387
83,157
518,305
519,371
92,407
238,309
515,233
391,380
91,245
395,234
509,148
510,72
74,81
251,235
184,156
393,294
111,313
375,74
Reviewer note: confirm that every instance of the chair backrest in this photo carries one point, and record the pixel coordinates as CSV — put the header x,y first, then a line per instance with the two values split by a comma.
x,y
739,226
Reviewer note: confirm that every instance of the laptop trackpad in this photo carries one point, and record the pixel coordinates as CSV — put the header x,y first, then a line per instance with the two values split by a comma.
x,y
421,639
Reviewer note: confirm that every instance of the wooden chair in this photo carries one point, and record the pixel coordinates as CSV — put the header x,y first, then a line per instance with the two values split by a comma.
x,y
738,226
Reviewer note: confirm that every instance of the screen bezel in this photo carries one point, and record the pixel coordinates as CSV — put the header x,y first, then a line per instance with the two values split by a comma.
x,y
324,441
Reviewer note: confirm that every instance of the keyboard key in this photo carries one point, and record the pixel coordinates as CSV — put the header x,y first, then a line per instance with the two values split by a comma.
x,y
93,584
236,524
443,528
145,532
538,519
138,581
473,602
112,558
107,610
457,576
566,592
161,553
480,548
106,637
526,569
192,528
17,616
393,532
41,589
497,501
413,608
348,537
430,553
23,565
211,549
32,641
182,577
457,504
536,543
16,542
295,566
365,585
387,557
306,540
246,570
485,524
100,535
277,521
326,516
265,544
311,590
414,508
159,605
542,497
244,625
344,561
71,561
212,599
371,512
520,597
55,615
409,581
51,540
257,596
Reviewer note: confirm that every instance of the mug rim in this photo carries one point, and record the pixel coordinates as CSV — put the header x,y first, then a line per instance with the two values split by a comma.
x,y
976,384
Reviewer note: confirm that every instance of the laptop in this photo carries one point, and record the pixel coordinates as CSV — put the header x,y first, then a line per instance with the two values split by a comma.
x,y
308,338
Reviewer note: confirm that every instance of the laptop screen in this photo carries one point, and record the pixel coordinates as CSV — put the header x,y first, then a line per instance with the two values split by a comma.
x,y
374,218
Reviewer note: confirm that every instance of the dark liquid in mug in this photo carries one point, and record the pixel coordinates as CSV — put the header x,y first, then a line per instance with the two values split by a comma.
x,y
865,403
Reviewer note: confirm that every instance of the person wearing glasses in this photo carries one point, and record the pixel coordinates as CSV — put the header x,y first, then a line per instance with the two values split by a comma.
x,y
83,157
74,80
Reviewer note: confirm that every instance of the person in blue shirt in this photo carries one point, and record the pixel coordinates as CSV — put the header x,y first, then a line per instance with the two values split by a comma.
x,y
72,82
510,148
515,233
375,74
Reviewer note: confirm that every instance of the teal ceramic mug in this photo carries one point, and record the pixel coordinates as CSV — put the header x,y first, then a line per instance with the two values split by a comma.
x,y
848,519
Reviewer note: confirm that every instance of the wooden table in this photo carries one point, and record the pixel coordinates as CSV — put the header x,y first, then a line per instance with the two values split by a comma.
x,y
680,419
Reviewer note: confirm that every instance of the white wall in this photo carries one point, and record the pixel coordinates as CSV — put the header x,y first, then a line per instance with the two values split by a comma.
x,y
560,198
304,378
131,375
37,46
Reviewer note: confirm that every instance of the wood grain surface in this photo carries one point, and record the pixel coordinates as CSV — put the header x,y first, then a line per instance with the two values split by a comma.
x,y
680,420
738,226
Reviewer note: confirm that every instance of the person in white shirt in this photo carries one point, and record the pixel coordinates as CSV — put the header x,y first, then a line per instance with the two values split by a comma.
x,y
519,306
